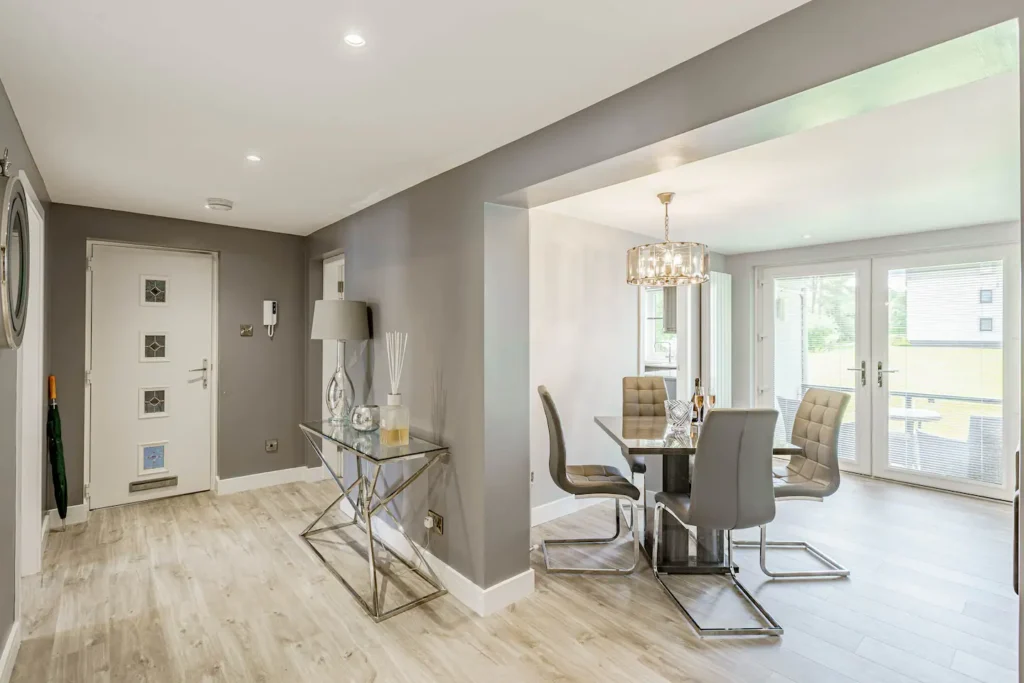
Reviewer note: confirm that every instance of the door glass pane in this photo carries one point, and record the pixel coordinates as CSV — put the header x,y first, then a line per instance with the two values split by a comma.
x,y
815,344
946,351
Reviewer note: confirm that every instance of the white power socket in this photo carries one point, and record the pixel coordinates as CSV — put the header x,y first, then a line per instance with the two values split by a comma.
x,y
434,522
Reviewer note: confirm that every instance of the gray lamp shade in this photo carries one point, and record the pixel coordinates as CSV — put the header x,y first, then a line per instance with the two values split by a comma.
x,y
340,319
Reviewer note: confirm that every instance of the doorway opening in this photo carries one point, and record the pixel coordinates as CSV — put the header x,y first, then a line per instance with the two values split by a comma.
x,y
333,288
31,406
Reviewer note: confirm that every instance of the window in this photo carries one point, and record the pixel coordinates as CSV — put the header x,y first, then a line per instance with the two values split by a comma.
x,y
985,324
155,346
659,347
986,296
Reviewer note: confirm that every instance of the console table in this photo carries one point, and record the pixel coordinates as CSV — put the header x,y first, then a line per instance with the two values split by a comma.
x,y
371,456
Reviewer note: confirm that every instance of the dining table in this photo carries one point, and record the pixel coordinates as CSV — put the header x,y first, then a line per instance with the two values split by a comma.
x,y
641,438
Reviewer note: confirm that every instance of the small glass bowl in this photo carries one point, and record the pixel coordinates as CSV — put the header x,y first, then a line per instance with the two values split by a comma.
x,y
365,418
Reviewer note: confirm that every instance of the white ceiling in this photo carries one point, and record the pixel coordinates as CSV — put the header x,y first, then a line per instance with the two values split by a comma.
x,y
946,160
152,106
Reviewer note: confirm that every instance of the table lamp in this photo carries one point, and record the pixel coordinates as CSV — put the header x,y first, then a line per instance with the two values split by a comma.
x,y
341,321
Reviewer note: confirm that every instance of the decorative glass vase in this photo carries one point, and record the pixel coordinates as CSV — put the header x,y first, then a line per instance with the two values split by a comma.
x,y
678,414
394,422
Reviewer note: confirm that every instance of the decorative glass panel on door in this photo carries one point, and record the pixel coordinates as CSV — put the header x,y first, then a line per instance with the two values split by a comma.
x,y
815,346
944,376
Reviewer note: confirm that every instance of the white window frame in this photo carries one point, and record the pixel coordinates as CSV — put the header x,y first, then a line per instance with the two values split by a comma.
x,y
646,344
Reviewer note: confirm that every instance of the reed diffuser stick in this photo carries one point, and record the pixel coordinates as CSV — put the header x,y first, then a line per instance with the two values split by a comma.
x,y
396,344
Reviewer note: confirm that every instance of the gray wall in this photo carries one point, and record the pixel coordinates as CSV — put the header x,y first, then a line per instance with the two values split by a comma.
x,y
418,262
261,380
419,256
21,160
507,395
741,267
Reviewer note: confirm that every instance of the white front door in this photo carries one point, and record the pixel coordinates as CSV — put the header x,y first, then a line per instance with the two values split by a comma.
x,y
150,408
816,335
945,369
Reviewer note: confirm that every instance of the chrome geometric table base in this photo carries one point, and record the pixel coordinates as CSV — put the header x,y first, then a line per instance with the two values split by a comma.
x,y
368,503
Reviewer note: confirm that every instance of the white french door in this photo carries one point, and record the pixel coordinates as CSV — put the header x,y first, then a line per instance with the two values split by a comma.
x,y
927,345
816,334
945,369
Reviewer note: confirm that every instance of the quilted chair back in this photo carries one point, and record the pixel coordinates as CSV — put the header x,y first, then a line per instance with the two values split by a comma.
x,y
643,396
816,430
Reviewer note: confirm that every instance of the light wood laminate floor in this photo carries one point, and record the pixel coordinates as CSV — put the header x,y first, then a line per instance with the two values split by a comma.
x,y
207,588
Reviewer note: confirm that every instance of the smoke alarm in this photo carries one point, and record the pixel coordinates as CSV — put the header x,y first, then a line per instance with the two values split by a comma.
x,y
218,204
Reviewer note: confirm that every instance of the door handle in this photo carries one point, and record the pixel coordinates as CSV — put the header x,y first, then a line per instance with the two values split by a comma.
x,y
205,369
881,372
863,370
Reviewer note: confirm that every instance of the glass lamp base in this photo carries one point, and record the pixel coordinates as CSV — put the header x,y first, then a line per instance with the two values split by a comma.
x,y
339,407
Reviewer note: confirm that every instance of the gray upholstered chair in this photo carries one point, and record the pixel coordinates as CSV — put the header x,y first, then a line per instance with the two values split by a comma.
x,y
813,475
642,397
586,481
731,489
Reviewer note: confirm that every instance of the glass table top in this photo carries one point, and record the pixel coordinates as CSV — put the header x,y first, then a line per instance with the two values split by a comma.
x,y
367,444
652,436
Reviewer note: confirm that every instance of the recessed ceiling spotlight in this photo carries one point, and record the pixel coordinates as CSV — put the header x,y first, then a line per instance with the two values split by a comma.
x,y
219,204
807,237
354,40
254,158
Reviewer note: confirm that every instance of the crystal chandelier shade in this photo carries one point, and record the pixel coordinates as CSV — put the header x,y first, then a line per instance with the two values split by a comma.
x,y
669,263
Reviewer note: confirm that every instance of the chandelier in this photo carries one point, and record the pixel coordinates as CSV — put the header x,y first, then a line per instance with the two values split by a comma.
x,y
669,263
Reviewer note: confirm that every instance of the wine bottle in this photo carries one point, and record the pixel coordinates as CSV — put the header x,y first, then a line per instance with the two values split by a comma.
x,y
698,401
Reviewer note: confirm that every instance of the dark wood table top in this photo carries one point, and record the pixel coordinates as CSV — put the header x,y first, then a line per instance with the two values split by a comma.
x,y
651,436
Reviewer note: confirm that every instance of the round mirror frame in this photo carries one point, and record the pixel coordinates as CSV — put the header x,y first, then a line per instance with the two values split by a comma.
x,y
15,204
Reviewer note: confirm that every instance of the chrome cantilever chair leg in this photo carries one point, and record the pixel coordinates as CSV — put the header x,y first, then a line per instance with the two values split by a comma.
x,y
597,541
638,511
774,628
835,571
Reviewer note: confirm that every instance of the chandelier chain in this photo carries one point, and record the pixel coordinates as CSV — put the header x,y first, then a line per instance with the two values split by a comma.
x,y
666,221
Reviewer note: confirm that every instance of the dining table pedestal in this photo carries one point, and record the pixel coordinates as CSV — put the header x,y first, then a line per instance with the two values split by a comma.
x,y
681,551
644,439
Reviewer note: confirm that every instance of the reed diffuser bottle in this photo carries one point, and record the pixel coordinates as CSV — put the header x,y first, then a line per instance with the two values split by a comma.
x,y
394,417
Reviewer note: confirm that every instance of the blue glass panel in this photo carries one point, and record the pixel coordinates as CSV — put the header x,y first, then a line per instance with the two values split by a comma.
x,y
153,457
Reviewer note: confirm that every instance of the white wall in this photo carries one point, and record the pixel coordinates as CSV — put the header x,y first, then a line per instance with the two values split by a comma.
x,y
584,336
741,267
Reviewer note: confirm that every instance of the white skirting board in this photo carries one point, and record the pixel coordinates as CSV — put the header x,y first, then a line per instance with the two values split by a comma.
x,y
483,601
77,514
261,480
44,534
315,474
10,652
560,508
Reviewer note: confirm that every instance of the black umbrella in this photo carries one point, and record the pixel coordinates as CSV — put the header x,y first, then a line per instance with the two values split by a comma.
x,y
56,447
